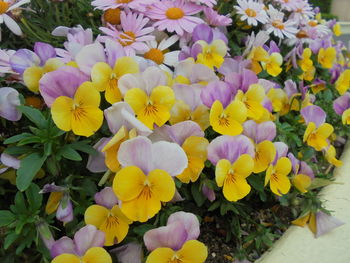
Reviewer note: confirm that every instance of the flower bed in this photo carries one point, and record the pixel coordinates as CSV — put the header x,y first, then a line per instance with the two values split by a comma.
x,y
166,130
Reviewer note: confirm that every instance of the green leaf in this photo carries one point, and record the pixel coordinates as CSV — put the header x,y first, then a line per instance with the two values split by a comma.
x,y
197,195
32,139
214,206
9,239
319,182
33,197
20,203
142,229
83,146
6,217
256,182
18,150
34,115
47,148
29,167
69,153
17,138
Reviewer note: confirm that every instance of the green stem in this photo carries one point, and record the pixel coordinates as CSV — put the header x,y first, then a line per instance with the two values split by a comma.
x,y
105,178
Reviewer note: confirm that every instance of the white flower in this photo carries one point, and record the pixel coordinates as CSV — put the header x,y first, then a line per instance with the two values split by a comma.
x,y
158,52
5,8
277,26
251,11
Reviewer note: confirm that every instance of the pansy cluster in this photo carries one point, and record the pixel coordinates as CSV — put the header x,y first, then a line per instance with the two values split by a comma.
x,y
169,100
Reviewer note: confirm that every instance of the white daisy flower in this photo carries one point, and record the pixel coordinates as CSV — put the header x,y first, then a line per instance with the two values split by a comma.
x,y
159,53
277,26
251,11
7,6
302,12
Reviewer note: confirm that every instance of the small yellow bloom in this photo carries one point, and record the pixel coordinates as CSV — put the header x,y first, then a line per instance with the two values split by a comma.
x,y
182,112
253,99
273,64
106,78
32,75
301,182
310,218
327,57
233,177
330,155
337,30
154,108
212,55
317,137
257,55
192,251
141,194
264,154
53,202
278,176
307,65
82,114
343,82
228,121
92,255
196,151
112,222
279,99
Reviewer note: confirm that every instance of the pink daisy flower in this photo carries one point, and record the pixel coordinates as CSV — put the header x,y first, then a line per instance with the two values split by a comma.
x,y
138,5
302,12
175,16
251,11
213,18
209,3
134,34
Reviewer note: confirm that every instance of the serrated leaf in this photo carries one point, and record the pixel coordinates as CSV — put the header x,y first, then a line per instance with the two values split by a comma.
x,y
69,153
34,115
17,138
6,217
29,166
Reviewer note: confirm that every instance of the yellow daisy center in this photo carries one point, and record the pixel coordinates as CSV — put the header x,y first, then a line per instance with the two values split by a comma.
x,y
174,13
127,38
313,23
155,54
123,1
3,7
302,34
250,12
278,24
112,16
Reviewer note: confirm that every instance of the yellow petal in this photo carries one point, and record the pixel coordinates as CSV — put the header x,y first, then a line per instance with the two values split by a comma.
x,y
96,255
87,95
53,202
125,65
52,64
136,98
128,183
96,215
235,187
163,95
283,166
301,182
61,111
100,75
301,221
221,170
113,93
243,165
86,120
325,130
192,251
65,258
279,184
255,92
179,112
201,116
264,154
162,185
311,127
142,208
312,223
31,77
160,255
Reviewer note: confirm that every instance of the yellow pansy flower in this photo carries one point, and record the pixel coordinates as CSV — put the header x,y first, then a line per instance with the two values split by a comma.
x,y
316,137
192,251
232,177
273,64
106,78
257,55
330,155
228,121
92,255
343,82
265,152
326,57
277,176
81,114
112,222
253,99
141,194
212,54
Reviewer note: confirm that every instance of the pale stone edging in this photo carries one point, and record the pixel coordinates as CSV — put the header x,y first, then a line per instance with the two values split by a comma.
x,y
298,245
345,27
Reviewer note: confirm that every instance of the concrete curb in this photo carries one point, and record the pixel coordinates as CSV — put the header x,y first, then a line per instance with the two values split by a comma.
x,y
345,27
299,245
